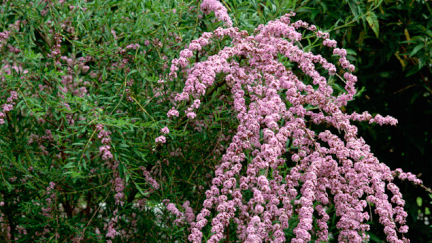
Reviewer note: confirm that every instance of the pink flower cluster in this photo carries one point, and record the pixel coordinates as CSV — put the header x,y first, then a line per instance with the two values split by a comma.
x,y
270,102
110,227
188,216
220,11
104,136
407,176
160,139
47,211
7,69
8,106
150,179
119,187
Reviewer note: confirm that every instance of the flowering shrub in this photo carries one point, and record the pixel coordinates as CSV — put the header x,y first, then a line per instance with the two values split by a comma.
x,y
270,101
94,135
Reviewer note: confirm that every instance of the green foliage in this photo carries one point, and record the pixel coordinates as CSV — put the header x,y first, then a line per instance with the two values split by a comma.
x,y
389,41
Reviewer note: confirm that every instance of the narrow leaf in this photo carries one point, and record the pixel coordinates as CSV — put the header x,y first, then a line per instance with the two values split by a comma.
x,y
413,70
373,23
416,49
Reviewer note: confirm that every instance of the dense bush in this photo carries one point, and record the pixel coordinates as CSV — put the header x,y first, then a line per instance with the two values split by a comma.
x,y
95,145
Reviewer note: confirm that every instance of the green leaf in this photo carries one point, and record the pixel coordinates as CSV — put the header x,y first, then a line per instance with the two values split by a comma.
x,y
421,63
127,177
324,7
121,170
132,72
413,70
353,9
419,201
69,165
361,38
373,23
351,52
254,4
139,189
374,238
359,92
378,2
416,49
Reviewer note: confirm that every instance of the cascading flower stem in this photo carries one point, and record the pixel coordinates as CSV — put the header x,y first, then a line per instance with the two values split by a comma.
x,y
271,105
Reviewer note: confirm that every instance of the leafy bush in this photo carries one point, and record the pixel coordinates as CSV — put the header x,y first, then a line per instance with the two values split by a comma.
x,y
88,152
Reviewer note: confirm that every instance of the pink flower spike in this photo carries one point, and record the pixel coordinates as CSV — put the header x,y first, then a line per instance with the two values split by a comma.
x,y
160,139
165,130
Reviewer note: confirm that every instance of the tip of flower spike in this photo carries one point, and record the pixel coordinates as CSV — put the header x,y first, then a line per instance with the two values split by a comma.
x,y
160,139
165,130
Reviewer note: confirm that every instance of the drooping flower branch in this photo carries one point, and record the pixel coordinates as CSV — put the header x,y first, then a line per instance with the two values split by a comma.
x,y
220,11
273,107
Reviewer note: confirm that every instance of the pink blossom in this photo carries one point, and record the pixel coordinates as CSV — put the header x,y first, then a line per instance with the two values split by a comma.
x,y
173,112
165,130
160,139
270,103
